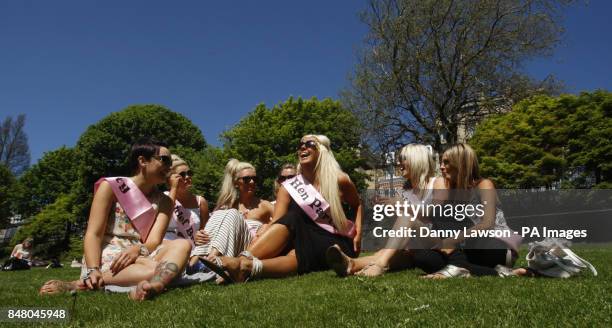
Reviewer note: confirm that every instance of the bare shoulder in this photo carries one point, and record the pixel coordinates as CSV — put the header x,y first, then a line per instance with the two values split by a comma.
x,y
344,180
485,184
104,192
439,183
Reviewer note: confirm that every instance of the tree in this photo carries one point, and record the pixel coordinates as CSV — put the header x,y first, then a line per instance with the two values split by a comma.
x,y
14,149
545,140
267,138
103,149
7,180
430,66
54,174
50,228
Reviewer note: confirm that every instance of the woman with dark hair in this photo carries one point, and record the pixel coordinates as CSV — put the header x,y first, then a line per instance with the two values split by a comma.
x,y
127,222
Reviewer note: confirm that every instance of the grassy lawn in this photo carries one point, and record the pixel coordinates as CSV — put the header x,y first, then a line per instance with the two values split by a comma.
x,y
322,300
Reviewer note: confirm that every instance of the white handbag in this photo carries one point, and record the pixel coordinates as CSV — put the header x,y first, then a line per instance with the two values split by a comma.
x,y
552,257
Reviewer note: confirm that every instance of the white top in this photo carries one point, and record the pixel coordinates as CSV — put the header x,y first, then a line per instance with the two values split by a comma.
x,y
21,253
171,231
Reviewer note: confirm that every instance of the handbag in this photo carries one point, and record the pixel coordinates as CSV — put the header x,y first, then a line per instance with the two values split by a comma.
x,y
552,257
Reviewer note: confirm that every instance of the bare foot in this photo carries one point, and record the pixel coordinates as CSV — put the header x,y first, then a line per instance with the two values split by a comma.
x,y
238,268
372,270
338,261
58,286
145,290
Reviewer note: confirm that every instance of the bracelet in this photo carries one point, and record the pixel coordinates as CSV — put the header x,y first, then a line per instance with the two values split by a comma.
x,y
143,251
89,271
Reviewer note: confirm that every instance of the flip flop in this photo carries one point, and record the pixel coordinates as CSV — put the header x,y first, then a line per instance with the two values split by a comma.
x,y
449,271
217,267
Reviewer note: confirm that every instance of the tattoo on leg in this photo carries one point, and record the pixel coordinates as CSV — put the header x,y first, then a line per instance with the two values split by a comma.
x,y
165,272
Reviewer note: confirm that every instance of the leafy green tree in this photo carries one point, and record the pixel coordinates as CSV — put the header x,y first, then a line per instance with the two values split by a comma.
x,y
267,137
54,174
50,228
544,140
103,149
427,66
7,181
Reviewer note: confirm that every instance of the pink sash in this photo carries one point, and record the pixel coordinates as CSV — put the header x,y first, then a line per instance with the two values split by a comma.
x,y
184,222
314,205
135,204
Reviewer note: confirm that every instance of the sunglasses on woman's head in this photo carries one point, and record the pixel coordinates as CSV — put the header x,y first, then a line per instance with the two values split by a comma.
x,y
308,144
165,159
184,174
282,178
248,179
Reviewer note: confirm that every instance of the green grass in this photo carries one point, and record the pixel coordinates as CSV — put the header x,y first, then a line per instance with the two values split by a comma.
x,y
322,300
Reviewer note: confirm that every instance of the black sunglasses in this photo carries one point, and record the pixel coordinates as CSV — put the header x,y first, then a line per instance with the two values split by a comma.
x,y
248,179
282,178
308,144
184,174
165,159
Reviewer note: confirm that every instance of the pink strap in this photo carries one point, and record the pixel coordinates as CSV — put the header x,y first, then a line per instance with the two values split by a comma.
x,y
184,222
314,205
135,204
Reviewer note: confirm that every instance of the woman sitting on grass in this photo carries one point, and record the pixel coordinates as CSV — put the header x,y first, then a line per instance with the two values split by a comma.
x,y
127,222
418,167
308,219
190,212
462,257
21,256
238,215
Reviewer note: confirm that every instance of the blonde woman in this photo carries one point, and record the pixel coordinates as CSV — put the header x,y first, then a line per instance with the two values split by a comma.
x,y
418,167
308,219
462,257
238,215
190,212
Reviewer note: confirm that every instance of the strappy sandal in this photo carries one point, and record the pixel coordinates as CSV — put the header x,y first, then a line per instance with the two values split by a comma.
x,y
216,266
449,271
338,261
372,270
504,271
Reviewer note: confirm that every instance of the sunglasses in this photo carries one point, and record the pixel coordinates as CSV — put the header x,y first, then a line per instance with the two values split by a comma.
x,y
308,144
282,178
165,159
186,174
248,179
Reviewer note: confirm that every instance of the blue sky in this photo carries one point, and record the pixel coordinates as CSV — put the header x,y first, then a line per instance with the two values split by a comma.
x,y
67,64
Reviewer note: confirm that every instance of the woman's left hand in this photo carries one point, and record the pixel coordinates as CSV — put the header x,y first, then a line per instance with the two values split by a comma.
x,y
357,244
124,259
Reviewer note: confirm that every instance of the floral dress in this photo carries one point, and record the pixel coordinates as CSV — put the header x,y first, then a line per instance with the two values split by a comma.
x,y
119,235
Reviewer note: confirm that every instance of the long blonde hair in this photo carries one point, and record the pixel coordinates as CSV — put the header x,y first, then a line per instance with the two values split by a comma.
x,y
420,164
462,158
229,197
327,172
